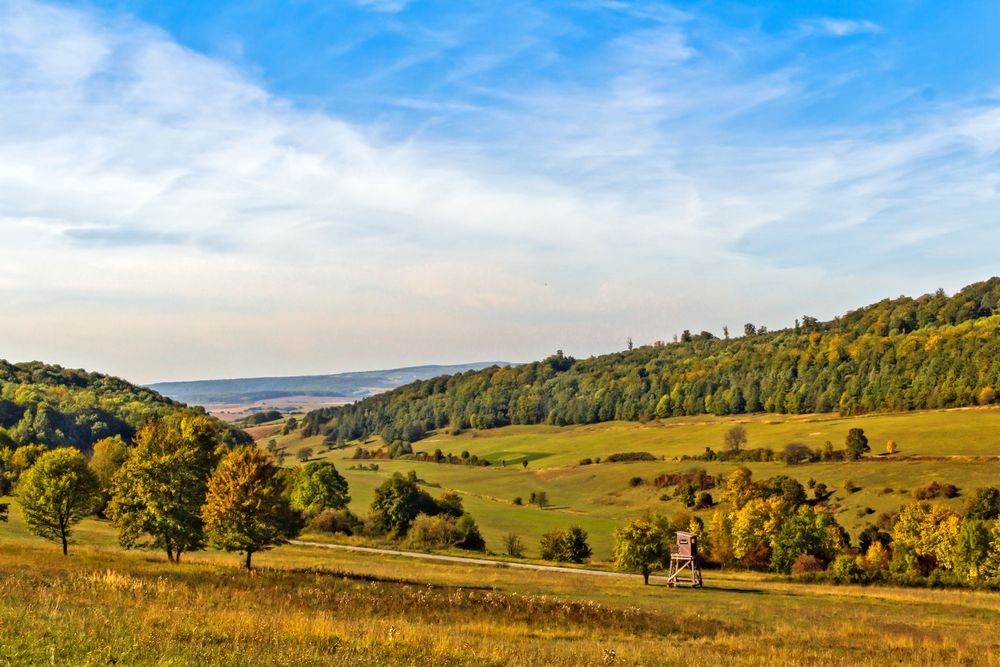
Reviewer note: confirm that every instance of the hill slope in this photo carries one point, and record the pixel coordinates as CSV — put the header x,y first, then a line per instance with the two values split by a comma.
x,y
902,354
352,385
57,407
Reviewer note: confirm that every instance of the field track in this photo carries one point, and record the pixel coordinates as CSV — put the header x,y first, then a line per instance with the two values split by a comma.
x,y
474,561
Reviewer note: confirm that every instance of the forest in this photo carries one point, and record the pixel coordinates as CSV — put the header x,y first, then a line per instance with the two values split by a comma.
x,y
52,406
934,351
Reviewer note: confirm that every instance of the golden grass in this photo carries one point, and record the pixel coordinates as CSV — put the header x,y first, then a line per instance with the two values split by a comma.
x,y
309,606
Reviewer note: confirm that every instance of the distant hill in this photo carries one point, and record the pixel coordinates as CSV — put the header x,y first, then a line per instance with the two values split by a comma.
x,y
347,385
58,407
934,351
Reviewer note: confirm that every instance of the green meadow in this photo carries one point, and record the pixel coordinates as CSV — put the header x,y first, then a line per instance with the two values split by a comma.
x,y
957,446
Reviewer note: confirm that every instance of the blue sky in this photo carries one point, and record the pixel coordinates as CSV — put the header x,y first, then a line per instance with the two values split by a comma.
x,y
206,189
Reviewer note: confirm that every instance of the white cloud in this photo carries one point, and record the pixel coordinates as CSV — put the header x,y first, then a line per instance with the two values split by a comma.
x,y
164,217
388,6
839,27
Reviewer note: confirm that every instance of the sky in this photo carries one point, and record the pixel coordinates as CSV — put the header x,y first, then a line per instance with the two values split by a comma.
x,y
227,189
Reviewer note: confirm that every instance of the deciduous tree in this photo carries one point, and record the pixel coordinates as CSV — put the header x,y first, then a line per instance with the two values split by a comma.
x,y
157,494
641,545
320,486
56,493
244,510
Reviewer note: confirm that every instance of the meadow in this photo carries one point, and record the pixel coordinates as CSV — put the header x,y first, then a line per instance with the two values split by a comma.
x,y
307,606
960,446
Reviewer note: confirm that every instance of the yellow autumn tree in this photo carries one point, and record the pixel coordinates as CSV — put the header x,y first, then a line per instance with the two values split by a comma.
x,y
244,509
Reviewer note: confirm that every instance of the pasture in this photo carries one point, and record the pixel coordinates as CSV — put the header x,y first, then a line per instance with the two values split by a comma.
x,y
957,446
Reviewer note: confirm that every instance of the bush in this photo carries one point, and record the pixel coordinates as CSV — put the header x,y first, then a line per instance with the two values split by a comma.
x,y
586,462
807,563
472,539
796,453
704,500
434,532
698,477
513,545
935,490
518,500
568,546
336,521
635,481
621,457
846,570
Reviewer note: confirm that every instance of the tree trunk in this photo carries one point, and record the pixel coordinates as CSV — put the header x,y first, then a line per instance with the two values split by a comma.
x,y
170,555
645,576
65,543
249,554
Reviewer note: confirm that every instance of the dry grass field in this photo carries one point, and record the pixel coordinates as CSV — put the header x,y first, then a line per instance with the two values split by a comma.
x,y
306,606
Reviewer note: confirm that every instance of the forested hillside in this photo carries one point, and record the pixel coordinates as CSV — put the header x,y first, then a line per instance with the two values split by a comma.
x,y
901,354
54,407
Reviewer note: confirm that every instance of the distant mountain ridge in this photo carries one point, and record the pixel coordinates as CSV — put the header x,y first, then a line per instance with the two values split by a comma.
x,y
359,384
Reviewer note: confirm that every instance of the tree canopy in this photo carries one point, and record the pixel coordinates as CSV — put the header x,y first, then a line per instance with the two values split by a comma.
x,y
245,510
934,351
56,493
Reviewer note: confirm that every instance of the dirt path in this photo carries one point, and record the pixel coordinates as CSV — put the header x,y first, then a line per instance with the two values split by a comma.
x,y
474,561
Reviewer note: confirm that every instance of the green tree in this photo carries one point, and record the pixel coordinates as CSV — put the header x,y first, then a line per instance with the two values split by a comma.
x,y
972,549
450,503
857,444
320,486
641,545
569,546
576,548
56,493
157,494
551,546
472,539
109,455
245,510
398,501
805,532
983,504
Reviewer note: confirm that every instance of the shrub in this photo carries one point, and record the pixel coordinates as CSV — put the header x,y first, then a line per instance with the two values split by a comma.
x,y
635,481
984,504
434,532
518,500
807,563
472,539
796,453
698,477
621,457
586,462
846,570
704,500
336,521
935,490
513,546
568,546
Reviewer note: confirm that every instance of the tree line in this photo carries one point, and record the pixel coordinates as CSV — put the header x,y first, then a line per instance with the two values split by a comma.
x,y
178,487
774,525
934,351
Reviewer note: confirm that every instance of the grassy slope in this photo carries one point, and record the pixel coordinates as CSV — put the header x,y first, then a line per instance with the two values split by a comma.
x,y
312,606
599,497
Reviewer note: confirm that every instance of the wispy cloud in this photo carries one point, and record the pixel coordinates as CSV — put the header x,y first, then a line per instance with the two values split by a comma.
x,y
388,6
839,27
633,192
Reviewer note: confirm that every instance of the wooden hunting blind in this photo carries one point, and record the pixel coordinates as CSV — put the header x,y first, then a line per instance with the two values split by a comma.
x,y
684,567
